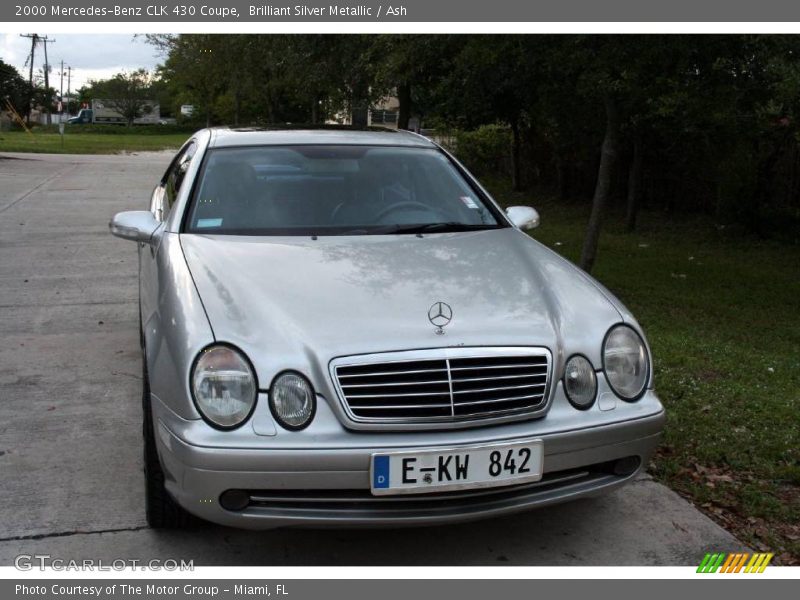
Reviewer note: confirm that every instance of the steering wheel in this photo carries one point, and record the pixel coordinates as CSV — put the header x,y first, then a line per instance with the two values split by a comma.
x,y
403,205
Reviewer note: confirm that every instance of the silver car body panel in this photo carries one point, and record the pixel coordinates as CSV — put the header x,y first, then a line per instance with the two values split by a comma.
x,y
174,324
225,138
302,304
327,457
318,300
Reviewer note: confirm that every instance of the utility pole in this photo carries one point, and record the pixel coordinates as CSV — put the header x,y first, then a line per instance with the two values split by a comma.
x,y
69,88
48,100
61,87
34,38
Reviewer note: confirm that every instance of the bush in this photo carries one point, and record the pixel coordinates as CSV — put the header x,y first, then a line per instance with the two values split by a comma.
x,y
486,150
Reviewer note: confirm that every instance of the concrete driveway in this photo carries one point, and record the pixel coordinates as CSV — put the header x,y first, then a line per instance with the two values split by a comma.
x,y
70,415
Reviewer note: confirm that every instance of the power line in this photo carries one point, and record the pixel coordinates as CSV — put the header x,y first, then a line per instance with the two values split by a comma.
x,y
69,87
35,39
48,100
65,70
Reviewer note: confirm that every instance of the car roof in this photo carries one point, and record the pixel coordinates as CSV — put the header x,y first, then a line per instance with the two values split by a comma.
x,y
227,137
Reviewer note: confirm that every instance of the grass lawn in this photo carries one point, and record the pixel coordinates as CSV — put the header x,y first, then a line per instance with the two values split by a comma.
x,y
82,142
722,313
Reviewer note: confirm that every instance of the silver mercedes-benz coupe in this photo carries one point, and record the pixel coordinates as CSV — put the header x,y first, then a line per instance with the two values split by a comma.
x,y
341,327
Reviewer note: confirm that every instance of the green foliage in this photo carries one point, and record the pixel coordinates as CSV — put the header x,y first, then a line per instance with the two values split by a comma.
x,y
485,150
126,93
14,89
262,79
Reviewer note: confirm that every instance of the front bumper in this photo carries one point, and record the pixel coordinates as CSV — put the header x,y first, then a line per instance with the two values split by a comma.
x,y
320,477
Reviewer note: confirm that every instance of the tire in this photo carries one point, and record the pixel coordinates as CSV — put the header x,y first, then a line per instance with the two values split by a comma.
x,y
161,510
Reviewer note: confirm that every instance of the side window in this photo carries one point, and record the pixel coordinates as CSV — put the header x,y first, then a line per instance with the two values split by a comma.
x,y
157,202
173,179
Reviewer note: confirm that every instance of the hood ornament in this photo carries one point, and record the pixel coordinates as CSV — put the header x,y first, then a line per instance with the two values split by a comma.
x,y
440,315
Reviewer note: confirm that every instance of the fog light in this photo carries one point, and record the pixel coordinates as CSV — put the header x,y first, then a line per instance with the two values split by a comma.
x,y
234,499
626,466
291,400
580,382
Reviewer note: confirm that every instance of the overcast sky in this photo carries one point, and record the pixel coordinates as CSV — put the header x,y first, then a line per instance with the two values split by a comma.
x,y
90,56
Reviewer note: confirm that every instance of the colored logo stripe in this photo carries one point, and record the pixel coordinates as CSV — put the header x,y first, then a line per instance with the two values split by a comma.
x,y
711,563
759,562
735,562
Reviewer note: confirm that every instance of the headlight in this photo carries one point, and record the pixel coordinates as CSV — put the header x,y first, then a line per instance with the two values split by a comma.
x,y
625,362
580,382
292,401
224,386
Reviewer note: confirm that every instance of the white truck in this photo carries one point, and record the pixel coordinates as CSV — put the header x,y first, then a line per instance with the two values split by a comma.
x,y
102,113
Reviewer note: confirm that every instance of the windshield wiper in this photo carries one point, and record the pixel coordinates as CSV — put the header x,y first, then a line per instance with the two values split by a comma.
x,y
444,227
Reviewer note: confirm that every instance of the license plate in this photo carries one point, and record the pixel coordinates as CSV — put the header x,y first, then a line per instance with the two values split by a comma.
x,y
464,467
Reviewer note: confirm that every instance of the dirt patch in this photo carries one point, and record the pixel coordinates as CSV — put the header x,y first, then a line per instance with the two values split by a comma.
x,y
719,493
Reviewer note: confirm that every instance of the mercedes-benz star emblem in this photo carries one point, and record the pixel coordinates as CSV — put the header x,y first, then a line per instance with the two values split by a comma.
x,y
440,315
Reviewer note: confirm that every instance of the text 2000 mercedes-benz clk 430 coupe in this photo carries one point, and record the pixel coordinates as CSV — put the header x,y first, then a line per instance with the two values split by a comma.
x,y
342,327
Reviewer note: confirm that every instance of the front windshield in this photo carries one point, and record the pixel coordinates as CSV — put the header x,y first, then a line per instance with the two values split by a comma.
x,y
334,190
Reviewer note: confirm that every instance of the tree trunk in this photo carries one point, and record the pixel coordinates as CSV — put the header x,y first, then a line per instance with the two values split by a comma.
x,y
314,116
237,106
561,176
634,184
404,111
268,103
765,176
516,144
608,156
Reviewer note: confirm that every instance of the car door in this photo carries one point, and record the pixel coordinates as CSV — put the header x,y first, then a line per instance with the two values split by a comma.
x,y
161,202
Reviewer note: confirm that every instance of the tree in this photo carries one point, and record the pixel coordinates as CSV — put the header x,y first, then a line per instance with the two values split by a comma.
x,y
14,89
162,94
270,78
194,69
608,157
127,93
602,69
408,66
316,69
350,86
493,79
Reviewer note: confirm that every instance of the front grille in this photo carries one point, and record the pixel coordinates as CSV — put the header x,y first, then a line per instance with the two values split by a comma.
x,y
361,505
444,385
355,499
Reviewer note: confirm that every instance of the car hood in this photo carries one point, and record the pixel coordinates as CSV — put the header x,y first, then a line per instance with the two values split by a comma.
x,y
296,303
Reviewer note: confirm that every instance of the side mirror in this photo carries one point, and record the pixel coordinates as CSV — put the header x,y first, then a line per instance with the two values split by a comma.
x,y
135,225
524,217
